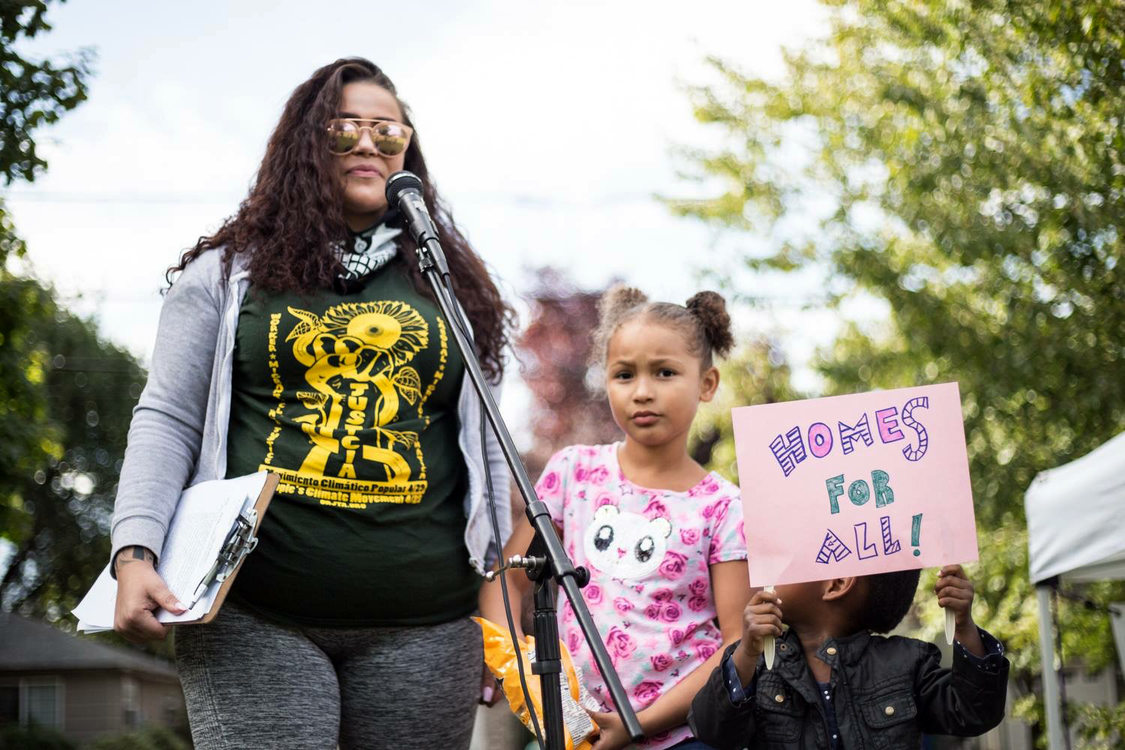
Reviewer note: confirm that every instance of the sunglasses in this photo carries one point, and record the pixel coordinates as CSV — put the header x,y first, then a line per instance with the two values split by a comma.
x,y
389,137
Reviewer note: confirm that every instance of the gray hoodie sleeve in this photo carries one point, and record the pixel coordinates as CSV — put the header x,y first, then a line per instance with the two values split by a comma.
x,y
497,467
166,432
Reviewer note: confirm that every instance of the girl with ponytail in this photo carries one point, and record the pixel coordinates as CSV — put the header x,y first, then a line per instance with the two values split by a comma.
x,y
661,536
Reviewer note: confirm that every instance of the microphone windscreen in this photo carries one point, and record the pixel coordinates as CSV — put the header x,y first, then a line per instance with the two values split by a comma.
x,y
400,182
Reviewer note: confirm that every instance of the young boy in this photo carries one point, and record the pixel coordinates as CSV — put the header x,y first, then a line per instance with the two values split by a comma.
x,y
835,685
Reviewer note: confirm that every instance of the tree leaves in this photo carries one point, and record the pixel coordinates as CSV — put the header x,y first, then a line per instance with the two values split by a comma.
x,y
975,156
32,93
72,396
65,395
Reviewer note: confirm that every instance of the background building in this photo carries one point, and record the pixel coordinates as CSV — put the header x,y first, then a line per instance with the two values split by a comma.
x,y
80,687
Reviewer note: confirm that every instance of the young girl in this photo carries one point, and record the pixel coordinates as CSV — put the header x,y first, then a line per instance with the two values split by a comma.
x,y
661,536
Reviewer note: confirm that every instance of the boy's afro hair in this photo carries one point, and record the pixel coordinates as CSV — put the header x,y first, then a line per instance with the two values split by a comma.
x,y
889,596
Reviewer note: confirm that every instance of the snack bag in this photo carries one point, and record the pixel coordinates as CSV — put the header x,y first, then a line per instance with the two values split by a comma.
x,y
500,657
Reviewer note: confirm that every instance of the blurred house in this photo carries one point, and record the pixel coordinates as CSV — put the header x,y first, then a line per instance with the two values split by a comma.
x,y
83,688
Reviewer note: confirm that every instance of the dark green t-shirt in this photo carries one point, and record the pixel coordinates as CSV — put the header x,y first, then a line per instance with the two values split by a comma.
x,y
352,400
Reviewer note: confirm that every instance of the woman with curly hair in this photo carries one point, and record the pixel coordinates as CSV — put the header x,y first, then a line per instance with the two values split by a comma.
x,y
301,339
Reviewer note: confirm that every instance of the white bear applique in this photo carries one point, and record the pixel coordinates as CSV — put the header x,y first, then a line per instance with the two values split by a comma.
x,y
626,545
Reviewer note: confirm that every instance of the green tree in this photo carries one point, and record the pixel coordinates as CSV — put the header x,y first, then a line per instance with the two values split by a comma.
x,y
755,373
963,165
65,394
55,514
27,438
32,94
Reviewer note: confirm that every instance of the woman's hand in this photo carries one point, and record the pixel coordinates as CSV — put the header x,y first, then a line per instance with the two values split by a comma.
x,y
611,731
489,687
140,592
761,617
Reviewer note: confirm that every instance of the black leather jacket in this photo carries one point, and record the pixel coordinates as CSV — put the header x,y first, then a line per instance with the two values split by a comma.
x,y
886,693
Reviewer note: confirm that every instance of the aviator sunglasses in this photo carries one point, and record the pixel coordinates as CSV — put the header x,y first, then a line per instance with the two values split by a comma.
x,y
390,138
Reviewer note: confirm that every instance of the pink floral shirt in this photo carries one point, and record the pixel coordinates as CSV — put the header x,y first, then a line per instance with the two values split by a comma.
x,y
648,552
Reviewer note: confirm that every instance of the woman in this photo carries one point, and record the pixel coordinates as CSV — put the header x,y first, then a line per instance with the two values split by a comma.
x,y
301,338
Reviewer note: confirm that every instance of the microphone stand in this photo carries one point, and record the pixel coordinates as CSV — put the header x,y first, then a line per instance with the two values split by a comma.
x,y
547,560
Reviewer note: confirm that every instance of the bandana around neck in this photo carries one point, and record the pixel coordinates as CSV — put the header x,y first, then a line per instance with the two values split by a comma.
x,y
370,250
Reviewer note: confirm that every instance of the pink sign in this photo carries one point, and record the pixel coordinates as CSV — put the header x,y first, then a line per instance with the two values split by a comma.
x,y
853,485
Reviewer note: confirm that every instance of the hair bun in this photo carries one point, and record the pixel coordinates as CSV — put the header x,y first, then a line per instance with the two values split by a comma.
x,y
619,298
711,310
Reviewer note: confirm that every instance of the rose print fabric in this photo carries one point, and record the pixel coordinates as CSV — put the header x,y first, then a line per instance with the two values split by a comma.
x,y
648,552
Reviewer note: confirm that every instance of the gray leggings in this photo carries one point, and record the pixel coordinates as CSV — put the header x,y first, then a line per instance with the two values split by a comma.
x,y
250,683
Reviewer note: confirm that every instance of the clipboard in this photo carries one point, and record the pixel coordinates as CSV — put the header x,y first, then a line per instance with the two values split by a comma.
x,y
188,546
240,542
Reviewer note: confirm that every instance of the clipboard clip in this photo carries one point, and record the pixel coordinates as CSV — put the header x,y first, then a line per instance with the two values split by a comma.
x,y
240,542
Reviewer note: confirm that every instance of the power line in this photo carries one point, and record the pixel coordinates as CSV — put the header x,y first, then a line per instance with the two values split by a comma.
x,y
525,200
49,196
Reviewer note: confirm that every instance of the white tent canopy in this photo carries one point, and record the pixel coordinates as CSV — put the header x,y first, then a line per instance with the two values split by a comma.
x,y
1076,531
1076,517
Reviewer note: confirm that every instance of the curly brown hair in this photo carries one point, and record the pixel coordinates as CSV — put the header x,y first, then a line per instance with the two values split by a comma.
x,y
293,217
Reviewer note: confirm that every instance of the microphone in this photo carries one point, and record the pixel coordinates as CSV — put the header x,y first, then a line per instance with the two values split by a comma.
x,y
404,192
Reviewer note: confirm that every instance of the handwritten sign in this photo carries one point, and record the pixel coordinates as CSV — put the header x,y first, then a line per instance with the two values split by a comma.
x,y
854,485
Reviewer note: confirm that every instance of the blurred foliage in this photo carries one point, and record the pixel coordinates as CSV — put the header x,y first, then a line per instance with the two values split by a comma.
x,y
972,158
1101,727
28,439
55,508
66,395
553,352
10,243
33,737
33,93
755,373
149,738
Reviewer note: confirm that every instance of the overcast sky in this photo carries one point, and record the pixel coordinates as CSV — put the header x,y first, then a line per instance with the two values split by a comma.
x,y
548,127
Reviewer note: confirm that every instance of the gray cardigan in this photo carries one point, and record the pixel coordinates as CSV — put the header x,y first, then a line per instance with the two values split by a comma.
x,y
178,436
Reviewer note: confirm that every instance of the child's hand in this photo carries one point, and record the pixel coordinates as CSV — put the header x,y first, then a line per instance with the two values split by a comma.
x,y
955,592
611,731
761,617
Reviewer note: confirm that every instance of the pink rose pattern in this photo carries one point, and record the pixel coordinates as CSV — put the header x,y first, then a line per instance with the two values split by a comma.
x,y
699,603
646,692
673,566
659,628
549,482
700,593
704,649
619,644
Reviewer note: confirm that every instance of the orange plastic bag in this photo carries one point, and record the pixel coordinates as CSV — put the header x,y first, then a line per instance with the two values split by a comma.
x,y
500,657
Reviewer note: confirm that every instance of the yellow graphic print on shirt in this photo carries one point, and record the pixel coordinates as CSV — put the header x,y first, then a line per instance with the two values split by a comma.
x,y
356,359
